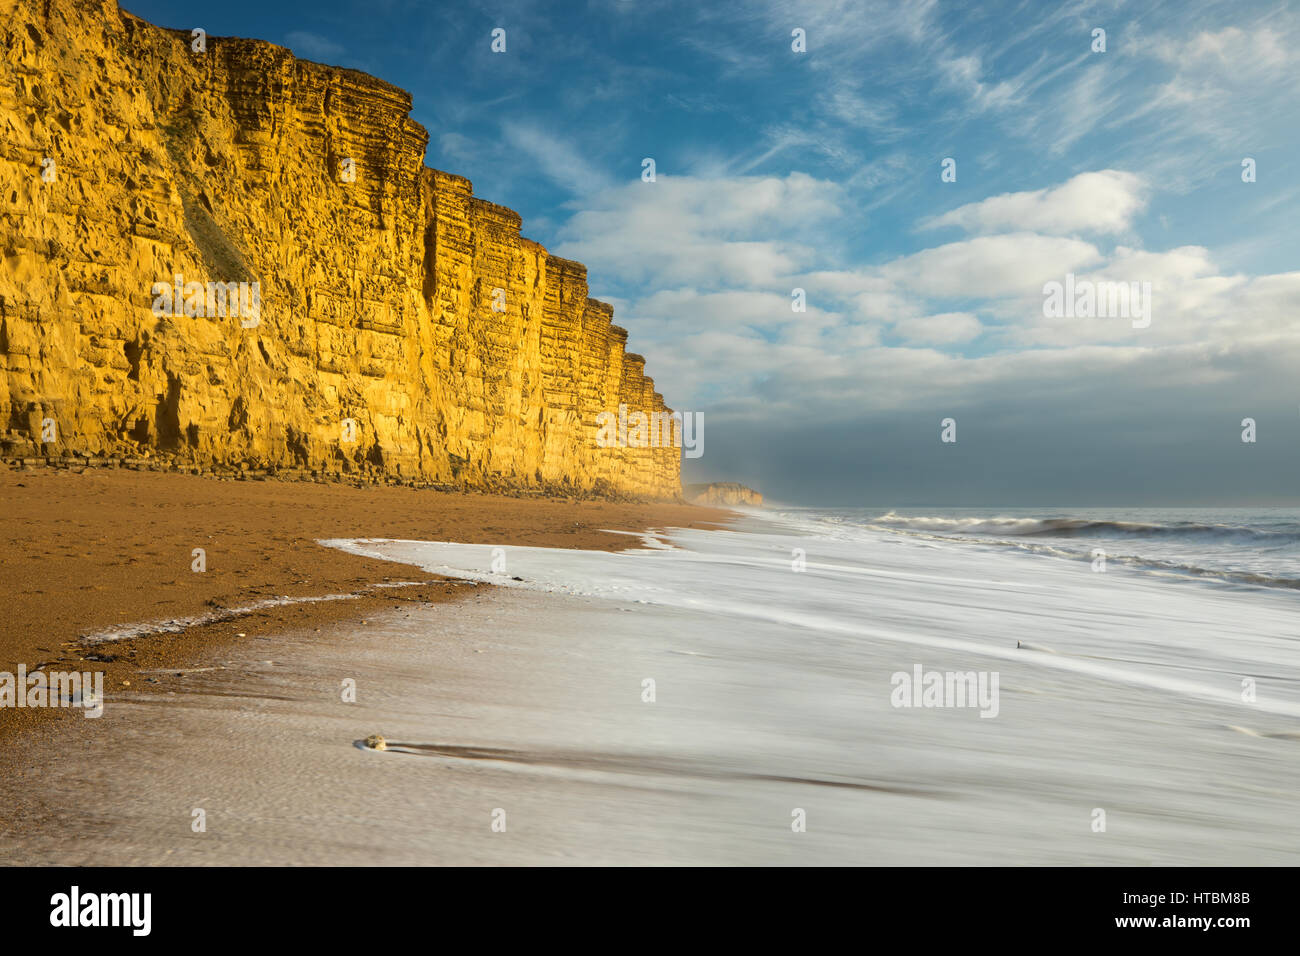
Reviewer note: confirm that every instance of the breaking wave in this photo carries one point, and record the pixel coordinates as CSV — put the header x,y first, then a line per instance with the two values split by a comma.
x,y
1232,547
1086,527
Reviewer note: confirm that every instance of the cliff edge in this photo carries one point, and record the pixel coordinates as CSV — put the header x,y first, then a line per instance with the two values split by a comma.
x,y
220,256
723,494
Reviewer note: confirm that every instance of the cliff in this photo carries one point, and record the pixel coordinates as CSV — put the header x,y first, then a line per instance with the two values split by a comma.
x,y
723,494
392,325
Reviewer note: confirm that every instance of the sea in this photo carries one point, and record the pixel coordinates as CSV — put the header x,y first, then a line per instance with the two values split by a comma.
x,y
807,686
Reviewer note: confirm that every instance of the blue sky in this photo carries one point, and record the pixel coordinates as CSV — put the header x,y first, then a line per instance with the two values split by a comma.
x,y
821,170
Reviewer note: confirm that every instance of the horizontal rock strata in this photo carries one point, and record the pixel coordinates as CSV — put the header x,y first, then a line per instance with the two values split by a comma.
x,y
392,323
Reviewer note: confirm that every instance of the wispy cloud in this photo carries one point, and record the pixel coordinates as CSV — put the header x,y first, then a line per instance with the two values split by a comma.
x,y
313,46
555,157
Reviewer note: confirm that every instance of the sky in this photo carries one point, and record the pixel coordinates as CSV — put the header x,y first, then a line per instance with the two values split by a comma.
x,y
924,293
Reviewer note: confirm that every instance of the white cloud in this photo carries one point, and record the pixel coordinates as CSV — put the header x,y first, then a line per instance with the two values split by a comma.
x,y
686,231
990,266
1222,93
942,329
965,73
1212,60
963,320
766,309
1095,202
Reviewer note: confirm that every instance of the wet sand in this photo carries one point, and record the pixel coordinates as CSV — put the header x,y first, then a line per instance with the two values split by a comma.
x,y
87,553
520,731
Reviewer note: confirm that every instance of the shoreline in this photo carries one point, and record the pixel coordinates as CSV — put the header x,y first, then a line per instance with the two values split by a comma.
x,y
96,551
769,694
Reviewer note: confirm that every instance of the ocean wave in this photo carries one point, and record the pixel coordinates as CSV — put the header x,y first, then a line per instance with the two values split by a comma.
x,y
1084,528
1229,576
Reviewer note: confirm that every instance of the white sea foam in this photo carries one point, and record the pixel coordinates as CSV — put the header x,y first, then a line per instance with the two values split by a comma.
x,y
174,625
772,693
1118,626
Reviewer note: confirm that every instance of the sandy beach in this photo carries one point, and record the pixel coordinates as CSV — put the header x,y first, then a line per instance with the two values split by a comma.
x,y
700,699
98,552
360,509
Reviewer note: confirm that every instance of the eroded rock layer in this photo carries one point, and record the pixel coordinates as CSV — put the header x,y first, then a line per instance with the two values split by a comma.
x,y
723,494
402,326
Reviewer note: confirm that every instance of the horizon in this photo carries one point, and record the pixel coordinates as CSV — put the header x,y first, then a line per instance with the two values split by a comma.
x,y
1039,509
824,170
363,510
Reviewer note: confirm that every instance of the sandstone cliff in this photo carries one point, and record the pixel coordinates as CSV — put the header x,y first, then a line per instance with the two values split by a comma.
x,y
403,329
723,494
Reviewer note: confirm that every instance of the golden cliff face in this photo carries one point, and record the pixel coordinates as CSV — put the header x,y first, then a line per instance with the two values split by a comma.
x,y
402,328
723,494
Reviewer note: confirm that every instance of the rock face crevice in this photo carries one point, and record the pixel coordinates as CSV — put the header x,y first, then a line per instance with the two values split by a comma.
x,y
405,328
